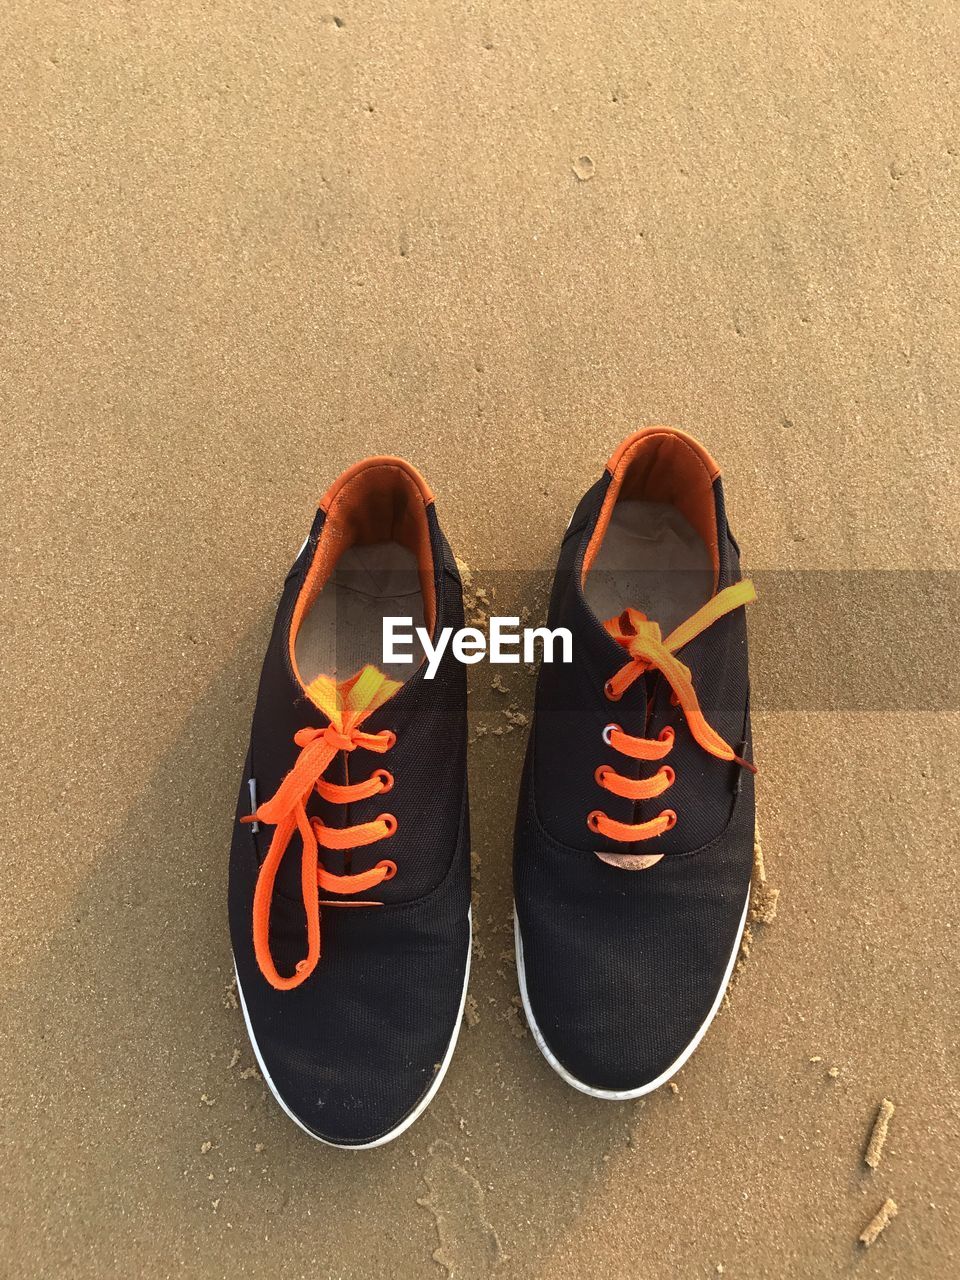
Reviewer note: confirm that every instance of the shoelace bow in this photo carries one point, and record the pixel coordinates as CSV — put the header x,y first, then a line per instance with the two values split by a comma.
x,y
648,651
345,705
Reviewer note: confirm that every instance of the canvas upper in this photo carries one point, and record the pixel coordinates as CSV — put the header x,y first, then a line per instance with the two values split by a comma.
x,y
356,1047
621,969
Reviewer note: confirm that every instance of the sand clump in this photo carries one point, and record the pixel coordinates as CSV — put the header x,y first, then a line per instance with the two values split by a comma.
x,y
516,1018
763,904
879,1222
763,897
762,911
477,601
878,1135
513,718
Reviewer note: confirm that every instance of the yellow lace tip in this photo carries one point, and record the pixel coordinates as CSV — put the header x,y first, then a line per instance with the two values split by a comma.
x,y
347,703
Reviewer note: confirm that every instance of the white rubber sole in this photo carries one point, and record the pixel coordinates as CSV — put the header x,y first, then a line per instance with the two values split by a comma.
x,y
622,1095
418,1109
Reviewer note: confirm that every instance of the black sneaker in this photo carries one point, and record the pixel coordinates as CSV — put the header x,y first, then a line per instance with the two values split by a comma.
x,y
350,867
635,831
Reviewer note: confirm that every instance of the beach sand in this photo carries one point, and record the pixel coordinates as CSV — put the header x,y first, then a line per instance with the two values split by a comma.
x,y
244,244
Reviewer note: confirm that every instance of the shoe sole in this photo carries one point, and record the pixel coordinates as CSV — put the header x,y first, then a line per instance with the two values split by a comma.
x,y
408,1119
621,1095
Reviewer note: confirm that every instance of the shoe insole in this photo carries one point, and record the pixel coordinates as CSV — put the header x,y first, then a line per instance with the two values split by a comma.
x,y
651,558
344,628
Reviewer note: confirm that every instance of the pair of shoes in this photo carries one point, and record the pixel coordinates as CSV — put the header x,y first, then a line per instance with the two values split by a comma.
x,y
349,894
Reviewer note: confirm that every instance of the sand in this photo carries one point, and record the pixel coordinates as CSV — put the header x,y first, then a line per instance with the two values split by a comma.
x,y
243,244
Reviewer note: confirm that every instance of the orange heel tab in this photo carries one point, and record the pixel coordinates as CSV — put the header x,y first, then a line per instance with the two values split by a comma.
x,y
372,465
621,457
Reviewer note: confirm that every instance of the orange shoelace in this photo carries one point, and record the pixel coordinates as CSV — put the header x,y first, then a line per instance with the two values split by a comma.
x,y
648,651
345,706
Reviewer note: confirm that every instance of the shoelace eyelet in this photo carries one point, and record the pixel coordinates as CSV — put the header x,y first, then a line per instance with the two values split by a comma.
x,y
609,691
593,820
671,816
389,867
669,774
392,740
386,779
389,821
666,735
600,774
608,730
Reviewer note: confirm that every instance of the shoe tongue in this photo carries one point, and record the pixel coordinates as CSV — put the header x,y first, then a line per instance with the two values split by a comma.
x,y
347,703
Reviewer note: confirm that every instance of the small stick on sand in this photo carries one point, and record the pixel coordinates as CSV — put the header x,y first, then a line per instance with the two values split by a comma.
x,y
879,1135
886,1214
